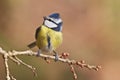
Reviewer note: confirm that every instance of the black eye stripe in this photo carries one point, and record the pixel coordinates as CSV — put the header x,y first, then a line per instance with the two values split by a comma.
x,y
49,19
52,21
45,18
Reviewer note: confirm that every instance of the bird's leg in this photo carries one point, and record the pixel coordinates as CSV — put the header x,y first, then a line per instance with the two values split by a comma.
x,y
56,55
38,53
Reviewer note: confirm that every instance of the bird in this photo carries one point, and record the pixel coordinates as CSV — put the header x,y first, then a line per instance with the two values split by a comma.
x,y
49,35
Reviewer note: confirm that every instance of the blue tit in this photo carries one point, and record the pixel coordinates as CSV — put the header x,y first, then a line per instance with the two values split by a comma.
x,y
49,35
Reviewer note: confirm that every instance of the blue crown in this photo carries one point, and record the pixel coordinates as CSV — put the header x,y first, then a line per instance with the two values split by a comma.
x,y
55,15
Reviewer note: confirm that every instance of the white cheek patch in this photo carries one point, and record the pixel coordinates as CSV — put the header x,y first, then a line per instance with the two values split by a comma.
x,y
50,24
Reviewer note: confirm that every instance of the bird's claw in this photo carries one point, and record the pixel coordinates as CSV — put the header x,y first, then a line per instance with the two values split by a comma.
x,y
38,53
56,57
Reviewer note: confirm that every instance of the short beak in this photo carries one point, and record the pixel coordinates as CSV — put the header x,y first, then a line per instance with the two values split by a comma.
x,y
44,17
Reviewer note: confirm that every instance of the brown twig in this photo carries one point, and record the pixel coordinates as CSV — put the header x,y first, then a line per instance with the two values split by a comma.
x,y
62,58
73,71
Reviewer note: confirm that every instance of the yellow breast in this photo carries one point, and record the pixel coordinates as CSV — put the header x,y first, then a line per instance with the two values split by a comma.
x,y
42,39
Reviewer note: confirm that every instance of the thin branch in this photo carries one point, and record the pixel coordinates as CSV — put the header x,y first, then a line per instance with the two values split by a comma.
x,y
62,58
29,66
14,60
73,71
7,67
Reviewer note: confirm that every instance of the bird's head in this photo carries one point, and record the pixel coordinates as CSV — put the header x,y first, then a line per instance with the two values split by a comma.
x,y
53,21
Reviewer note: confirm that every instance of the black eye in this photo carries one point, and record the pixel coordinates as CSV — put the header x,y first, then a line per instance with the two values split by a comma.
x,y
45,18
49,20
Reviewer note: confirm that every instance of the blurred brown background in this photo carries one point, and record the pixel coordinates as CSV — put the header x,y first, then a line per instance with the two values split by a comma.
x,y
91,33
